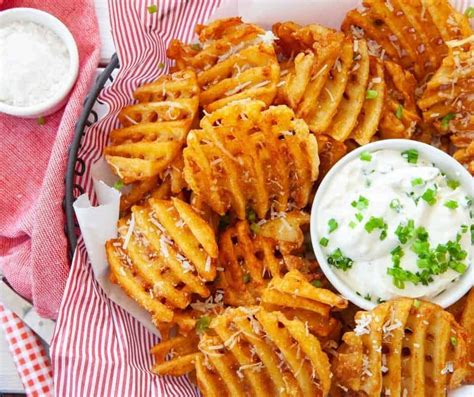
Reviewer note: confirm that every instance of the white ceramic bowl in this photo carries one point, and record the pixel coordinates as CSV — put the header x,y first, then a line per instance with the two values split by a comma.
x,y
59,98
443,161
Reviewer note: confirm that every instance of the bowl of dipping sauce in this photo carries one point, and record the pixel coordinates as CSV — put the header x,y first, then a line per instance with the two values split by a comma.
x,y
394,218
39,62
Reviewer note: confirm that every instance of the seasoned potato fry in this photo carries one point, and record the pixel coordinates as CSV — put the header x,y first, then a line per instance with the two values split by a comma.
x,y
245,157
154,129
248,350
400,345
234,61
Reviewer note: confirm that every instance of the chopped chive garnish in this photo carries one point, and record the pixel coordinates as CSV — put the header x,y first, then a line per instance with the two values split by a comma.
x,y
410,155
453,184
416,303
152,9
339,260
399,112
416,182
361,204
251,215
469,12
246,278
377,223
446,119
368,297
359,216
405,232
464,229
454,341
196,46
317,283
202,324
365,156
429,196
452,204
352,224
332,225
371,94
324,242
396,205
118,185
41,120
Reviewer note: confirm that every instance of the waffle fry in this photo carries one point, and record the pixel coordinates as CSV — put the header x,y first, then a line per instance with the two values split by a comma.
x,y
244,157
164,254
249,351
235,61
412,33
137,152
250,260
401,345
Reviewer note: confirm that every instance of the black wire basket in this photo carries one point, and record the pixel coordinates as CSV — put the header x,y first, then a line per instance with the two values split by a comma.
x,y
76,165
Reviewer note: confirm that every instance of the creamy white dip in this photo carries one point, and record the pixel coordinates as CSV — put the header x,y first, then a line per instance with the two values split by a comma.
x,y
386,220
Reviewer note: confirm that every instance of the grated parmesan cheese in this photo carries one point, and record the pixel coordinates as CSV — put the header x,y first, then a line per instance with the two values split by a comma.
x,y
131,226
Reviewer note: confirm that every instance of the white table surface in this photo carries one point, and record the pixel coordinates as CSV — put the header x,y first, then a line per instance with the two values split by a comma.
x,y
9,380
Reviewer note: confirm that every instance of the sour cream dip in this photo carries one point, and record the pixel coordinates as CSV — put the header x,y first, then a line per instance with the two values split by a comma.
x,y
391,223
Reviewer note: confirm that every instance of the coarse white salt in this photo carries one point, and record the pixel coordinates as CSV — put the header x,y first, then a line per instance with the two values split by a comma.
x,y
34,63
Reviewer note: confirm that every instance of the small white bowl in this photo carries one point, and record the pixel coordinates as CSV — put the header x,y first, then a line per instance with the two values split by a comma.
x,y
59,98
443,161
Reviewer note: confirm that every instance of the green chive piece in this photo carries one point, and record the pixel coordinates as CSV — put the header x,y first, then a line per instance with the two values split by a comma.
x,y
352,224
196,46
469,12
451,204
152,9
246,278
333,225
410,155
446,119
368,297
416,303
396,205
324,242
317,283
416,182
359,216
453,184
339,260
399,112
371,94
118,185
251,215
361,204
405,232
41,120
454,341
429,196
254,228
202,324
365,156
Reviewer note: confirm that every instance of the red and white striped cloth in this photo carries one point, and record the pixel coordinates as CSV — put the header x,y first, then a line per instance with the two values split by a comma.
x,y
29,355
98,349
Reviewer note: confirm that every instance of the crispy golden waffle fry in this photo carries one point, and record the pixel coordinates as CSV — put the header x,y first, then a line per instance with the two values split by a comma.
x,y
245,157
463,311
404,347
155,128
412,33
249,351
330,151
165,253
235,60
250,260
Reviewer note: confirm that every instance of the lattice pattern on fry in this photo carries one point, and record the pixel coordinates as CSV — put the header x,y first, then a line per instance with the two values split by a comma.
x,y
154,129
404,347
245,157
296,297
341,91
463,311
251,259
412,33
249,351
165,253
235,60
